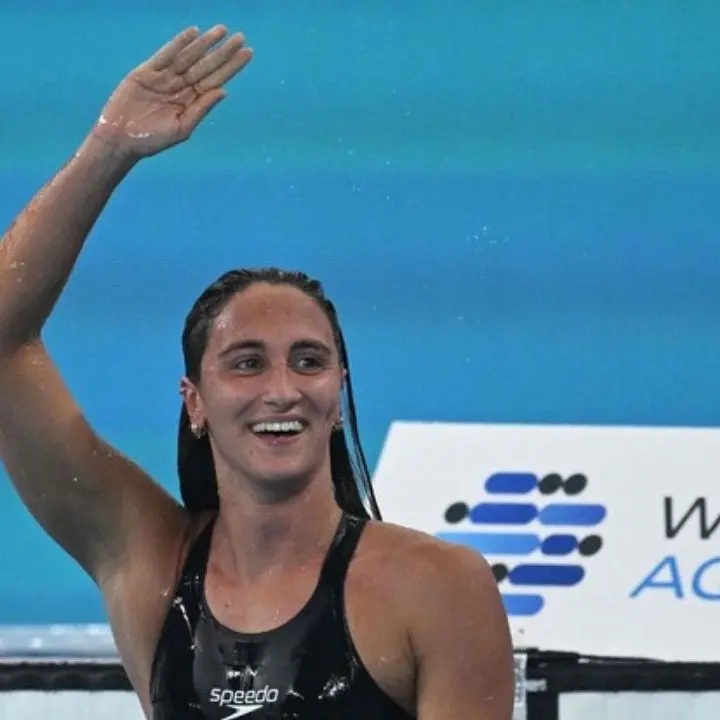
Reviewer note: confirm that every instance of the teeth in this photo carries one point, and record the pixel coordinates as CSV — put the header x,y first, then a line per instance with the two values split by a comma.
x,y
274,427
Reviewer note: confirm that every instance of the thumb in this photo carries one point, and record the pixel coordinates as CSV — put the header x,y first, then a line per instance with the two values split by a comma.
x,y
196,112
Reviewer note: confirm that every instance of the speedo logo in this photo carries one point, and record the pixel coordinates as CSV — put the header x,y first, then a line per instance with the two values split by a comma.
x,y
243,702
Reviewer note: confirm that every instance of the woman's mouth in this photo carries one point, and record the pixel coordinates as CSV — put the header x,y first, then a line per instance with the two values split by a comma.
x,y
278,432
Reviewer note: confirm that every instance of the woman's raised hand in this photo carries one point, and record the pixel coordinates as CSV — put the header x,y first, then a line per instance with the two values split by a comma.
x,y
161,102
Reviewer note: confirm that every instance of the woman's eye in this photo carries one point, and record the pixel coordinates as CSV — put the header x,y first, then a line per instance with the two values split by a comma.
x,y
250,364
308,364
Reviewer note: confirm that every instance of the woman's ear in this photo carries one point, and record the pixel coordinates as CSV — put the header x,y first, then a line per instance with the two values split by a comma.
x,y
193,405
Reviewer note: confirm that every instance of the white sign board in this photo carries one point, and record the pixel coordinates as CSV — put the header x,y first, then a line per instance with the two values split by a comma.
x,y
603,539
69,705
634,705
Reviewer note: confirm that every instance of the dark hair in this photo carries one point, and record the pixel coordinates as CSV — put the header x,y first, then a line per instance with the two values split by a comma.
x,y
196,468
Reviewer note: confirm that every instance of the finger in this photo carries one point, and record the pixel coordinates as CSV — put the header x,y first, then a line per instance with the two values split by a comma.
x,y
166,54
226,72
214,60
194,114
197,48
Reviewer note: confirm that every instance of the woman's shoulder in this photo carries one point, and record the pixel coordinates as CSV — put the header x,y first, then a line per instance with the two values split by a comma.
x,y
423,558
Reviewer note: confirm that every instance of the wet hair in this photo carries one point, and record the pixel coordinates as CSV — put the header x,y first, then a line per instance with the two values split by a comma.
x,y
196,468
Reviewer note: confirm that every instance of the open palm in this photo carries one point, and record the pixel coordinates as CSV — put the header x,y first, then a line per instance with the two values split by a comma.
x,y
162,101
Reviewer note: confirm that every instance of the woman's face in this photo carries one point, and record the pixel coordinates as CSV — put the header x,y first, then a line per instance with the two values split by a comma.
x,y
270,382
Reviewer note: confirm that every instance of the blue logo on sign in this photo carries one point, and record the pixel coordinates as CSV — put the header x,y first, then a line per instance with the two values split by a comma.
x,y
527,579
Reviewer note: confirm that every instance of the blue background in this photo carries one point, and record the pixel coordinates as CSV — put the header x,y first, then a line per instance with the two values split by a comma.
x,y
516,207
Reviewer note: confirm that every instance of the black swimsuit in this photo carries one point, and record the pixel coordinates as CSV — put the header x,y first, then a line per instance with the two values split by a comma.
x,y
307,669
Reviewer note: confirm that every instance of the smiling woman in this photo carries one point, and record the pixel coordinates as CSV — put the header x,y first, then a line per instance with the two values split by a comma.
x,y
252,332
273,590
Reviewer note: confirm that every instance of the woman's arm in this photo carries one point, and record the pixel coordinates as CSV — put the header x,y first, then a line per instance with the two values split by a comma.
x,y
460,637
99,506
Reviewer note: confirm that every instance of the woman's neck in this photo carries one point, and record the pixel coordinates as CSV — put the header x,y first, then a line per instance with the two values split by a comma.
x,y
257,535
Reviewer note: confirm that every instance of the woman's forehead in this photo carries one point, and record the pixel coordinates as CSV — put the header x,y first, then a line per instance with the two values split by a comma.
x,y
271,312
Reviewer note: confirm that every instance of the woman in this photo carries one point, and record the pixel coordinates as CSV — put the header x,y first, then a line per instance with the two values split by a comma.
x,y
271,592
